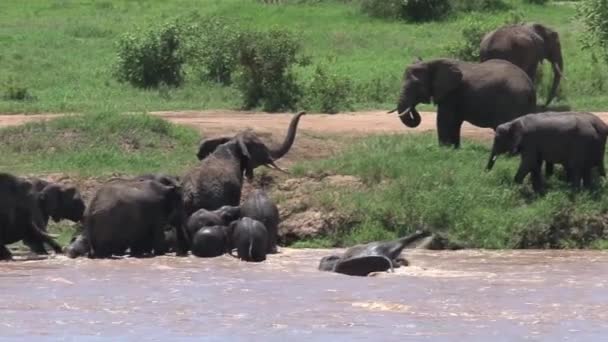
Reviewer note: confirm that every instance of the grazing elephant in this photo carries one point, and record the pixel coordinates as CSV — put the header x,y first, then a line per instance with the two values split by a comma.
x,y
21,216
79,246
526,45
259,206
250,239
574,139
56,201
218,179
205,218
132,214
362,260
209,242
483,94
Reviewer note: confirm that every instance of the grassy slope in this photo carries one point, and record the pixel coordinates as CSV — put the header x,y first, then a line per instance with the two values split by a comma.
x,y
414,183
63,50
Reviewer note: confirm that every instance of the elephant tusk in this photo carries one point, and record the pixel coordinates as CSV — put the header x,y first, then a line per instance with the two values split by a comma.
x,y
392,111
405,112
274,166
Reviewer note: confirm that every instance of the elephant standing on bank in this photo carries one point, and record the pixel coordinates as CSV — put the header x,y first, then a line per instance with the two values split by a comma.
x,y
483,94
526,45
574,139
21,216
218,179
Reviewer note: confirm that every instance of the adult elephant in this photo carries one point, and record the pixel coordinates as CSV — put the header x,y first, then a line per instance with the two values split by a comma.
x,y
21,217
132,214
526,45
484,94
218,179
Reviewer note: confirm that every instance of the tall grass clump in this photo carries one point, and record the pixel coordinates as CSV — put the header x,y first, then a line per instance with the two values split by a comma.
x,y
413,183
327,91
94,144
594,15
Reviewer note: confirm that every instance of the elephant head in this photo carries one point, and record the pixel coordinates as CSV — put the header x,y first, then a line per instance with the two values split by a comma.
x,y
423,82
507,139
207,146
552,51
60,201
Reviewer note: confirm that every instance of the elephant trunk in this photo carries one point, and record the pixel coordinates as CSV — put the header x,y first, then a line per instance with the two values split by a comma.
x,y
558,67
410,117
406,240
492,160
289,138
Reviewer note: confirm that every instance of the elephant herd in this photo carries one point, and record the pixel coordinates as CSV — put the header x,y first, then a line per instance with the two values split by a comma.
x,y
498,92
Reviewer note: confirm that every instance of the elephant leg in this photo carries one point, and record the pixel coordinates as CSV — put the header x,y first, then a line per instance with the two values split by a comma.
x,y
448,128
160,247
523,170
549,168
38,235
537,179
575,177
587,183
5,254
36,247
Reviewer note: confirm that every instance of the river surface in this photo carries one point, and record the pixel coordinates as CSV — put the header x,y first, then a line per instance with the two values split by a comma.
x,y
444,296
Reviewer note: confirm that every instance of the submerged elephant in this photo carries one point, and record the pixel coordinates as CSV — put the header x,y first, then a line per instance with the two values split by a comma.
x,y
574,139
362,260
133,214
260,207
209,242
526,45
205,218
218,179
484,94
21,216
250,239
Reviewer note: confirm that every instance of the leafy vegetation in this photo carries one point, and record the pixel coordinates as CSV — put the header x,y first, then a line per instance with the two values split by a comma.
x,y
413,183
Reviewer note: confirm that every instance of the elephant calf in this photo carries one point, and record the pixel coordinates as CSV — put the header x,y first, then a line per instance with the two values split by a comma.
x,y
209,242
259,206
362,260
250,239
577,140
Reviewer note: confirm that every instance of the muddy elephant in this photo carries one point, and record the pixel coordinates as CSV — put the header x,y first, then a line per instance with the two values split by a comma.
x,y
218,179
133,214
250,239
526,45
362,260
21,216
577,140
209,242
483,94
206,218
259,206
56,201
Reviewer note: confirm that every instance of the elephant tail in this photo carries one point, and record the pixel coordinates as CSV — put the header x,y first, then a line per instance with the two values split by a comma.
x,y
250,247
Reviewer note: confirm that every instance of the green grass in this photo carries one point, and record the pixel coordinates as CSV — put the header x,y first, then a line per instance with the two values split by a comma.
x,y
412,183
62,51
98,144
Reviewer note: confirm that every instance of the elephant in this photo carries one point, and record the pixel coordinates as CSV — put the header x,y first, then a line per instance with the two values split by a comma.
x,y
132,214
361,260
56,201
250,239
21,215
79,246
260,207
577,140
526,45
483,94
218,179
205,218
209,242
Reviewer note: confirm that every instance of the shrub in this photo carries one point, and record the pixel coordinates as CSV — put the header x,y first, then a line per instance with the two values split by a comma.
x,y
328,92
425,10
594,15
15,92
266,76
213,49
389,9
148,58
537,2
479,5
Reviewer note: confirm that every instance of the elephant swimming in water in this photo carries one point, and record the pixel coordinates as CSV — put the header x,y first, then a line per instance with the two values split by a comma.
x,y
362,260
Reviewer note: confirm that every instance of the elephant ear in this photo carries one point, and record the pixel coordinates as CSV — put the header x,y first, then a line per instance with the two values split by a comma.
x,y
207,146
49,200
517,134
447,77
362,266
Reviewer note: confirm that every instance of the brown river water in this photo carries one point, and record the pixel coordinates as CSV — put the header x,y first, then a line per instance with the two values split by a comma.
x,y
444,296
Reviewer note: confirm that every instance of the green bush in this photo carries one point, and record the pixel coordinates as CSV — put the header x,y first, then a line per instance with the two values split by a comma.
x,y
388,9
594,15
537,2
15,92
266,77
147,59
425,10
328,92
213,47
479,5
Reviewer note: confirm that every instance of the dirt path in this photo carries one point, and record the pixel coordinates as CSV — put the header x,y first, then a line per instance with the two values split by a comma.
x,y
320,134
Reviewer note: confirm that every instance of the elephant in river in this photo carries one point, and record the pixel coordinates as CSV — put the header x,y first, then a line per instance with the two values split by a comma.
x,y
56,201
362,260
526,45
577,140
79,246
250,239
218,179
132,214
21,215
260,207
205,218
210,242
483,94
